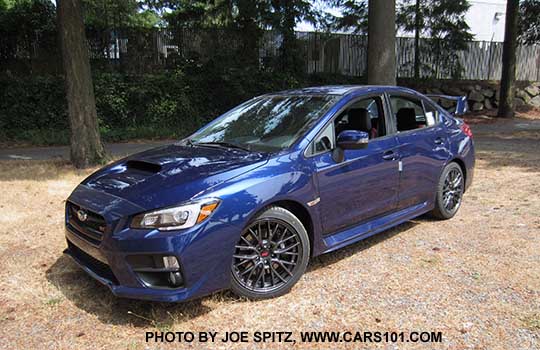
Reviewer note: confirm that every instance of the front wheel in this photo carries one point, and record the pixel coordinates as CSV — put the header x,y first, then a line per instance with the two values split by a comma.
x,y
449,192
271,255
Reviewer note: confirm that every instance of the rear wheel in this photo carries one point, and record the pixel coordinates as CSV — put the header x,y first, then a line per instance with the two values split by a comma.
x,y
271,255
449,192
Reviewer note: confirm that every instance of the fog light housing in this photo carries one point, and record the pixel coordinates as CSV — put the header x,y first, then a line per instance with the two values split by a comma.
x,y
170,262
157,271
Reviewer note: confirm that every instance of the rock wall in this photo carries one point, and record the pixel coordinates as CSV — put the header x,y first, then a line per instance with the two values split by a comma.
x,y
481,95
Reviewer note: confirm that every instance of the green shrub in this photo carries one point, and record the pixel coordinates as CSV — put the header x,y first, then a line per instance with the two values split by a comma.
x,y
166,105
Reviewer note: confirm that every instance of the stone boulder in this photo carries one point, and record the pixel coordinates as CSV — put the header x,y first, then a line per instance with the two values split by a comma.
x,y
489,93
535,102
454,91
487,103
477,106
434,91
523,95
476,96
518,102
446,103
532,90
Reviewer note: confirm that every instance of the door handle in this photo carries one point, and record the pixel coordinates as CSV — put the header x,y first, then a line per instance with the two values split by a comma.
x,y
439,141
389,155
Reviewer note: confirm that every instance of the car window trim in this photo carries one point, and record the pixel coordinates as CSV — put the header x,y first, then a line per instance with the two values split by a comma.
x,y
341,110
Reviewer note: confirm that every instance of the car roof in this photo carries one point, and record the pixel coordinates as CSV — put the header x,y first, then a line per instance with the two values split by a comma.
x,y
341,90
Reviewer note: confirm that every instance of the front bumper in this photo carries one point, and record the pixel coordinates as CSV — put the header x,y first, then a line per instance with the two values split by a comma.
x,y
204,266
204,253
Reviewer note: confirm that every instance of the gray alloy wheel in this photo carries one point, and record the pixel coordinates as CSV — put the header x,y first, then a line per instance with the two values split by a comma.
x,y
449,192
271,255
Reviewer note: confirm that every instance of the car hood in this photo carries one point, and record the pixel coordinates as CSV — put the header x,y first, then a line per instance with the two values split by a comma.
x,y
171,174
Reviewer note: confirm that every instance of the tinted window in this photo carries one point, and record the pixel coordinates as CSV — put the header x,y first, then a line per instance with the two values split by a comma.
x,y
408,113
372,107
268,122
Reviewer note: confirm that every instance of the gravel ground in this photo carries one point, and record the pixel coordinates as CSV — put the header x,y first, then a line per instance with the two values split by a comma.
x,y
475,278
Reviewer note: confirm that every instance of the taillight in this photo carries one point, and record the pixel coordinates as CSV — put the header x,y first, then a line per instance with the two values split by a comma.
x,y
466,129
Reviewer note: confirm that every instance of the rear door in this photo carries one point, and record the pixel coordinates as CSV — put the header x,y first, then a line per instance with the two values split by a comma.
x,y
365,184
423,147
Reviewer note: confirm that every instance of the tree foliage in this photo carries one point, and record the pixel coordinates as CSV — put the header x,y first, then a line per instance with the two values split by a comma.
x,y
353,18
443,23
25,22
529,26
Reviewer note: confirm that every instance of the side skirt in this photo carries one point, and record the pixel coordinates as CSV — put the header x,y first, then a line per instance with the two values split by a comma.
x,y
370,228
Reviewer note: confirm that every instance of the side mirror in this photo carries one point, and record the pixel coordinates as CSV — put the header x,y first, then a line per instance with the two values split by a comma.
x,y
349,139
352,139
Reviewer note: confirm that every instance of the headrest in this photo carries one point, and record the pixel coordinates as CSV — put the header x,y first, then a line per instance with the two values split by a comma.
x,y
359,119
406,119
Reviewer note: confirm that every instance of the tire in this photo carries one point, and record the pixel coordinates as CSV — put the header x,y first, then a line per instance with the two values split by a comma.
x,y
449,192
270,256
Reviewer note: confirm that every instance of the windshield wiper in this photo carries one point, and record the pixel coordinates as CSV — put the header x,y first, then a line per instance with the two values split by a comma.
x,y
223,144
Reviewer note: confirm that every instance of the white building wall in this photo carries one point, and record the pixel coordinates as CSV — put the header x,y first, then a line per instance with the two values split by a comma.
x,y
486,19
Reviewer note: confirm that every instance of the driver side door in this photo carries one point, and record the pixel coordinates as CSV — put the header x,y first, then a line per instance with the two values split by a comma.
x,y
365,184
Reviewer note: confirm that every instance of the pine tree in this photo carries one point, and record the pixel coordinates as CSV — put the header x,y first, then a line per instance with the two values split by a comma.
x,y
443,24
529,26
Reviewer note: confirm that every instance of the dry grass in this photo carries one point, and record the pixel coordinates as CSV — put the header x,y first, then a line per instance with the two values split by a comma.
x,y
476,277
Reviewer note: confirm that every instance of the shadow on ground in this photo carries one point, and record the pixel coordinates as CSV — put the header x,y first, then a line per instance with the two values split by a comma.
x,y
94,298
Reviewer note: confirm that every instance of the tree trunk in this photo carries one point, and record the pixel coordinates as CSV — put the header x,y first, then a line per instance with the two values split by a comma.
x,y
250,33
508,77
417,30
86,147
382,42
290,59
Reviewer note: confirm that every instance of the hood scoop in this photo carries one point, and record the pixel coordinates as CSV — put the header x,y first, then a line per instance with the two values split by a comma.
x,y
146,167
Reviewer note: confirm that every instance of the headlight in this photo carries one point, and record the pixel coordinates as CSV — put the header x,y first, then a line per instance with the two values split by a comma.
x,y
175,218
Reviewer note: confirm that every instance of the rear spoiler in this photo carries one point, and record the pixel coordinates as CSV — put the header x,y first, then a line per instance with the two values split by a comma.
x,y
460,101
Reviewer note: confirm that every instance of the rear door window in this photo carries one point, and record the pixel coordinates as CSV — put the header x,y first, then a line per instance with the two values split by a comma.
x,y
408,113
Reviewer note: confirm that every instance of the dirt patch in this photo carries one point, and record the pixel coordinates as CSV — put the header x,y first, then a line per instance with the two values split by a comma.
x,y
476,278
490,116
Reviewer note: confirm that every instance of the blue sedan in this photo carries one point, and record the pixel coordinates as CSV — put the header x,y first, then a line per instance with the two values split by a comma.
x,y
247,200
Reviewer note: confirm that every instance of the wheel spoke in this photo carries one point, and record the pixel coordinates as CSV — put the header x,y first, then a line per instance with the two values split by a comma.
x,y
289,253
259,277
281,251
285,262
285,240
241,263
246,257
277,274
251,272
255,235
284,267
243,247
249,269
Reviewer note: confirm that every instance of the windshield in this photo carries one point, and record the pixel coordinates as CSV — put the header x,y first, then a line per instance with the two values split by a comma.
x,y
266,123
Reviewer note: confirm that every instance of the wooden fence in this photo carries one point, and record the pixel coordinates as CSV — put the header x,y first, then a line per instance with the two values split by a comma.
x,y
142,51
347,54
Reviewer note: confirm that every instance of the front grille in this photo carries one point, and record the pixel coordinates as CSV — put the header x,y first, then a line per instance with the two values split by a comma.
x,y
98,267
91,229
